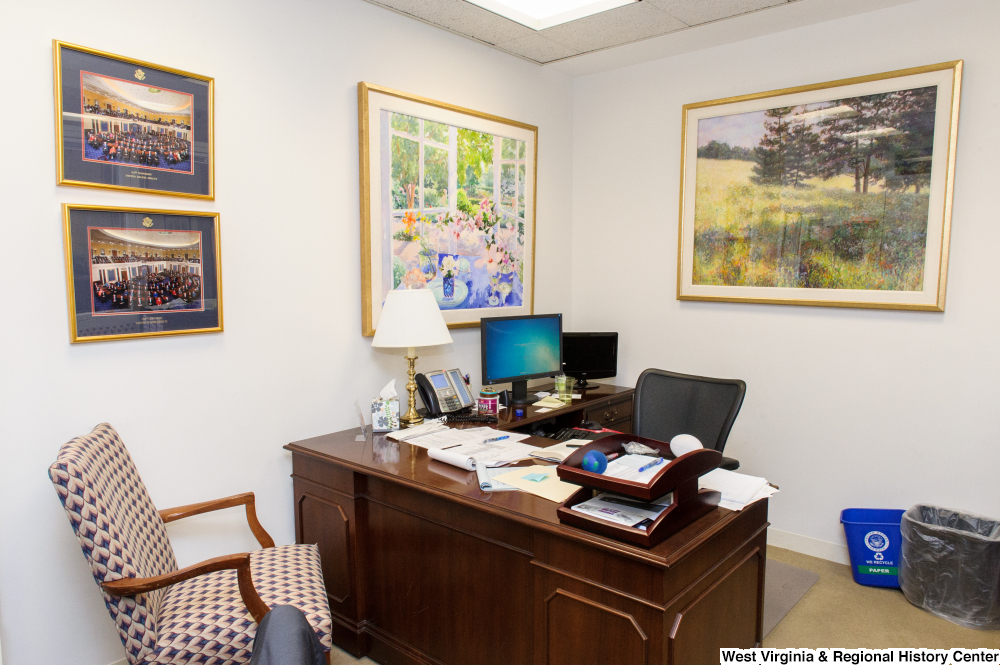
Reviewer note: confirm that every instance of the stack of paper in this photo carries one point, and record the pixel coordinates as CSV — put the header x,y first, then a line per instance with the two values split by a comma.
x,y
539,480
427,427
622,510
738,490
560,451
549,403
487,481
637,468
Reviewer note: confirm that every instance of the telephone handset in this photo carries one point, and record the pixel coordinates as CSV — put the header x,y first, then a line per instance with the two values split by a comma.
x,y
443,391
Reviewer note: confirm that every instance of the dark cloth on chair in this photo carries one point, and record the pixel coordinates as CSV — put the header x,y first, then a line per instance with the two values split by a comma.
x,y
285,637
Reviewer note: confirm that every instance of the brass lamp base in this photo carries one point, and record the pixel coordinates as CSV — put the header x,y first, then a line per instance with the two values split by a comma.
x,y
411,417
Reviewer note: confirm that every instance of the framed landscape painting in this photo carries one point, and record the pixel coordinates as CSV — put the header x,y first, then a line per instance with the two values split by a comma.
x,y
141,273
130,125
836,194
447,204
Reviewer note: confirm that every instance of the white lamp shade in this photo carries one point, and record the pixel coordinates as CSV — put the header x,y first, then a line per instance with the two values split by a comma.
x,y
411,318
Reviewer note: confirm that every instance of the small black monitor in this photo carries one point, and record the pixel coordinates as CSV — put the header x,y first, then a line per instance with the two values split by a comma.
x,y
518,348
590,355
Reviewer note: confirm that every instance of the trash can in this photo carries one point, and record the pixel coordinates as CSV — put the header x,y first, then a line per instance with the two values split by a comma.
x,y
951,565
873,542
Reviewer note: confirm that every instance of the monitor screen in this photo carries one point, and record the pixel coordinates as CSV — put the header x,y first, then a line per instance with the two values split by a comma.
x,y
521,347
590,355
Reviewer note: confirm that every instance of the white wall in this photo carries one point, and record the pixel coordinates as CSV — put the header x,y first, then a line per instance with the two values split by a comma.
x,y
292,361
844,407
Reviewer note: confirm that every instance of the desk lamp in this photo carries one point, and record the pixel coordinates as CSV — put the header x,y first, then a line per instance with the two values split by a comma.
x,y
411,318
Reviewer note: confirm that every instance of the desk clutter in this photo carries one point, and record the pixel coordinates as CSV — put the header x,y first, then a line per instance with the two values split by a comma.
x,y
641,491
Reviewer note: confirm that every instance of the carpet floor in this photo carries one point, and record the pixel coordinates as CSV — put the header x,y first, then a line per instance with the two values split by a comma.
x,y
836,612
784,587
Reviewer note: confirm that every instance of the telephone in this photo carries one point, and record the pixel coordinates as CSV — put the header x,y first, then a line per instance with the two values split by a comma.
x,y
443,391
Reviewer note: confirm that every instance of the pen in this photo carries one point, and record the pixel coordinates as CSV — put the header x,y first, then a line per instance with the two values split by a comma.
x,y
658,460
497,438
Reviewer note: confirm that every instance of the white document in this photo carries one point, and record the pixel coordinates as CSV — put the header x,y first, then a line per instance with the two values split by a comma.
x,y
486,481
560,451
427,427
455,459
766,492
735,487
627,467
622,510
495,453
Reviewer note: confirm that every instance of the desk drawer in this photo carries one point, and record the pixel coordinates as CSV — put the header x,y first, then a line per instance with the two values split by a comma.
x,y
611,414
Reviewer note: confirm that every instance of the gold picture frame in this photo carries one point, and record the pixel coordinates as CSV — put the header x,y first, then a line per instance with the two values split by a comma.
x,y
424,175
117,281
111,135
805,193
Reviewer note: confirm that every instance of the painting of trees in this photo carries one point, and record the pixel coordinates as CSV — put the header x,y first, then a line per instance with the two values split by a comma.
x,y
830,194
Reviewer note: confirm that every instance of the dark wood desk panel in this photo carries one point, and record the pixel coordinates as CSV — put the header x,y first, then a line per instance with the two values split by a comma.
x,y
423,567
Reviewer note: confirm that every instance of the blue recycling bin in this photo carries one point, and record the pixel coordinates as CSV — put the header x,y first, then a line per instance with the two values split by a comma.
x,y
873,540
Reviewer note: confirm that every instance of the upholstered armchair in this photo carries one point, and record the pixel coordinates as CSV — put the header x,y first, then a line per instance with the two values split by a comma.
x,y
205,613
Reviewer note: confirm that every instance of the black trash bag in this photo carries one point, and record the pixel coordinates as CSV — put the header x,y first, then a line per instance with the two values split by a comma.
x,y
950,565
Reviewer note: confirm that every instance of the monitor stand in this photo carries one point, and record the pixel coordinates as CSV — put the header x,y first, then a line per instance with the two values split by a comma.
x,y
519,393
583,385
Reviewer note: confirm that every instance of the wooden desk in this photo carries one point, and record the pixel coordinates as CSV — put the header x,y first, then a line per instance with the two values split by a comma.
x,y
607,405
422,567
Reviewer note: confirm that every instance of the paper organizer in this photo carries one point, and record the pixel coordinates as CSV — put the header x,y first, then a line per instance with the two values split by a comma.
x,y
679,475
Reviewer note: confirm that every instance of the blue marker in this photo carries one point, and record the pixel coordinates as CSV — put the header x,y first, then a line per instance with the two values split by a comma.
x,y
658,460
497,438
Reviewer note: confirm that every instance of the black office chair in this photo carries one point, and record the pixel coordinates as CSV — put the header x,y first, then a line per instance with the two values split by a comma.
x,y
668,404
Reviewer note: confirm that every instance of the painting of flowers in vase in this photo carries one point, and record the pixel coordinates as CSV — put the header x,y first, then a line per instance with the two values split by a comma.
x,y
454,211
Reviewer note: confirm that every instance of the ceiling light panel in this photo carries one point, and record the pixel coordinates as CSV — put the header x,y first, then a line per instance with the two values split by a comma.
x,y
542,14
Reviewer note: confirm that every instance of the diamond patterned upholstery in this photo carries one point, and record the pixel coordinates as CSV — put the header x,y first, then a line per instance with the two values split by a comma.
x,y
200,620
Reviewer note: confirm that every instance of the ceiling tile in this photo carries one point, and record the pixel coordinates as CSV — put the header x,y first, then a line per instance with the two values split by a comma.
x,y
538,48
469,19
694,12
462,17
613,28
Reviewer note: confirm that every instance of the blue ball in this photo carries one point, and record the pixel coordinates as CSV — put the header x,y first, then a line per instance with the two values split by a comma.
x,y
595,462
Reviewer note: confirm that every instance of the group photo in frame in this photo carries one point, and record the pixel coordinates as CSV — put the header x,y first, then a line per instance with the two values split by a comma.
x,y
130,125
134,272
835,194
447,204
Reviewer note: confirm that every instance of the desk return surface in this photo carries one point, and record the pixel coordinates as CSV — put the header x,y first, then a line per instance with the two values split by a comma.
x,y
421,566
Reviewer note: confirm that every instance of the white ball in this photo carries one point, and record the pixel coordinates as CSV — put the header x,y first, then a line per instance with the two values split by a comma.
x,y
684,443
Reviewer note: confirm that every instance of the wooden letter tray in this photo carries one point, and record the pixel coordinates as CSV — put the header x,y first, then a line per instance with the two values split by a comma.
x,y
678,475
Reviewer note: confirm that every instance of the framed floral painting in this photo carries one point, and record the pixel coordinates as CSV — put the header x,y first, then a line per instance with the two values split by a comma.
x,y
447,204
833,194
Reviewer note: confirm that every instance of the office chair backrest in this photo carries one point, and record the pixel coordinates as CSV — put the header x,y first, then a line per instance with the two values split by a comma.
x,y
668,404
119,529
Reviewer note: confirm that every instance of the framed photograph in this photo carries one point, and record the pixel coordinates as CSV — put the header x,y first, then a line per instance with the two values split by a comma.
x,y
447,204
836,194
131,125
134,272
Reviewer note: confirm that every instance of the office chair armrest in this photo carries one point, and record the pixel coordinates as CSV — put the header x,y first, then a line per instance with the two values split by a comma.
x,y
180,512
131,586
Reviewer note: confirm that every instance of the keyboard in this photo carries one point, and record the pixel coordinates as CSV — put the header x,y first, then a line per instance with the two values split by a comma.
x,y
471,418
569,433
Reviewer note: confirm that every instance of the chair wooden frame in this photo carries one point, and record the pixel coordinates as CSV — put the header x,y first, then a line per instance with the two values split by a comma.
x,y
239,562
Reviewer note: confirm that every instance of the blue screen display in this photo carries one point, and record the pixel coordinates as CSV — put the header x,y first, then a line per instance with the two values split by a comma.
x,y
439,381
521,347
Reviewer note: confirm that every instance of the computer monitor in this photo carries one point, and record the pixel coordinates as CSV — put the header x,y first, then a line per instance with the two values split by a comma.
x,y
590,355
519,348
